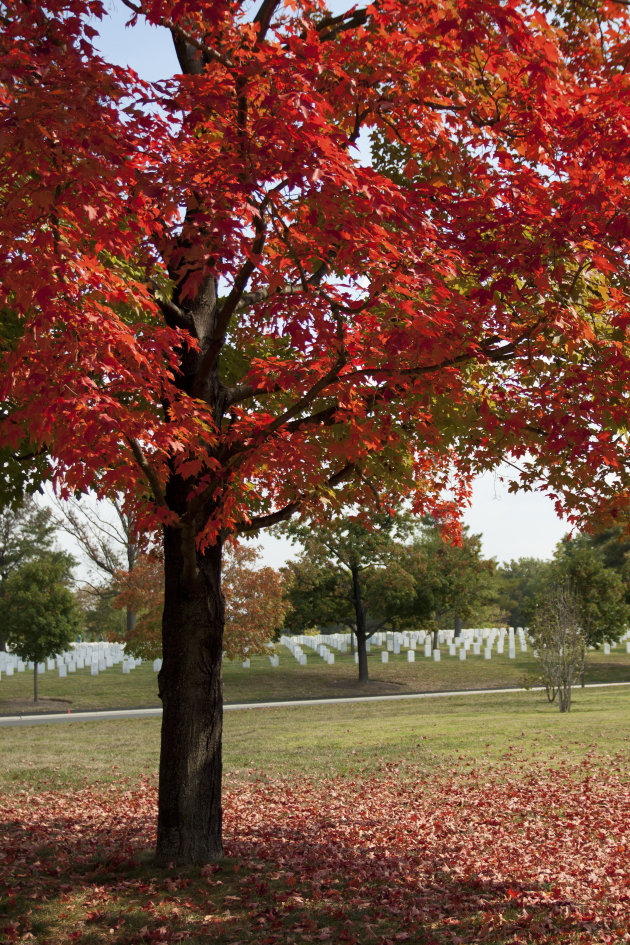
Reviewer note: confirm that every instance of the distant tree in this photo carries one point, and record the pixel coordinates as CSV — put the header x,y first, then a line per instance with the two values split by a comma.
x,y
107,534
254,602
560,641
520,584
26,532
100,618
455,580
38,609
352,573
600,590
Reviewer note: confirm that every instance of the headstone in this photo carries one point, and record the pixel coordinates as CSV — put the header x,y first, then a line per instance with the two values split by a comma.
x,y
411,656
476,649
94,669
427,648
396,646
246,663
607,649
9,669
157,665
274,660
41,669
62,670
436,656
451,649
487,653
384,656
462,653
102,665
512,652
50,664
126,667
80,662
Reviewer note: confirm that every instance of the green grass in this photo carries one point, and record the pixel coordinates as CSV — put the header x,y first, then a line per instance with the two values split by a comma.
x,y
112,689
346,739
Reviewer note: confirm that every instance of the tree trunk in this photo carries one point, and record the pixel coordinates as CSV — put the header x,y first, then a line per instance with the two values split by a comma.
x,y
191,689
458,627
359,609
35,697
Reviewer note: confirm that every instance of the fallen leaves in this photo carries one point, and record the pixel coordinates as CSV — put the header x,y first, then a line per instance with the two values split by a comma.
x,y
514,855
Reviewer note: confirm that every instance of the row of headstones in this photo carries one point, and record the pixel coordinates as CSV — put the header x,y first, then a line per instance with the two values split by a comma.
x,y
393,642
96,656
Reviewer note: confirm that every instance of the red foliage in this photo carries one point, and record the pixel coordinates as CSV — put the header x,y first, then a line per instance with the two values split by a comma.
x,y
356,299
461,857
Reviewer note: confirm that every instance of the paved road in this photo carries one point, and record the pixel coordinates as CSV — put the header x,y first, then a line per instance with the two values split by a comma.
x,y
11,720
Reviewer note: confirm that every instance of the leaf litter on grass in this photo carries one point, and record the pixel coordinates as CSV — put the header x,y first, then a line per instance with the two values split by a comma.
x,y
517,854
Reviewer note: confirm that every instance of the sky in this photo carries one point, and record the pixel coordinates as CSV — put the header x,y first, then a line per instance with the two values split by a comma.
x,y
511,525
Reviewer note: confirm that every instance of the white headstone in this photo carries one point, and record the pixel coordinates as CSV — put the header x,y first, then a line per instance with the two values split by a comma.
x,y
157,665
62,669
436,656
384,656
94,669
246,663
462,653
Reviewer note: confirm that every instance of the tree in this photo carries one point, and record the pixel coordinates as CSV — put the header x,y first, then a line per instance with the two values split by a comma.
x,y
106,535
254,601
560,641
455,579
39,610
26,532
218,299
520,584
350,573
599,590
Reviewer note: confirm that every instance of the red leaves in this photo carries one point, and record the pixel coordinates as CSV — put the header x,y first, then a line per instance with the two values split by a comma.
x,y
516,855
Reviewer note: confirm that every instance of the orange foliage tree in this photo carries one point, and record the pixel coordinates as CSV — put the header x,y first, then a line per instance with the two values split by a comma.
x,y
255,604
213,302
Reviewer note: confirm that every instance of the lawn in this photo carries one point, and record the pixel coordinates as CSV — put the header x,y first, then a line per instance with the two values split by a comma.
x,y
461,819
111,689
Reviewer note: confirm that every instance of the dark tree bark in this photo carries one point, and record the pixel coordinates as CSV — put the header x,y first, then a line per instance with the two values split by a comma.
x,y
458,627
35,696
361,620
191,689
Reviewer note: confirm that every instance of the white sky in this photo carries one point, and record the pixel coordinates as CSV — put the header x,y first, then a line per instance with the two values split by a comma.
x,y
511,525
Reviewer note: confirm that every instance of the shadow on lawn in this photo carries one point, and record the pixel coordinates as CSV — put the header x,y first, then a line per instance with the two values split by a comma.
x,y
84,875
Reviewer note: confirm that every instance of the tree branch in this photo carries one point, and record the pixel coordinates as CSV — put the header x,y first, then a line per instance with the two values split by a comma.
x,y
264,16
148,471
264,521
182,34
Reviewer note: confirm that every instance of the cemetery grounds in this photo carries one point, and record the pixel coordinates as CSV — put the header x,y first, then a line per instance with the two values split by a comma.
x,y
458,819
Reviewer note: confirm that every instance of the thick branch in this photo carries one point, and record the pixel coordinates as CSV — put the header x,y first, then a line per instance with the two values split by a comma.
x,y
264,16
264,521
148,471
179,33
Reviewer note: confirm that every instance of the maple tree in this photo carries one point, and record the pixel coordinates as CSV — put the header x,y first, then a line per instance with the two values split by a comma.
x,y
218,307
